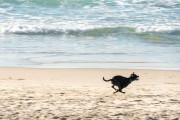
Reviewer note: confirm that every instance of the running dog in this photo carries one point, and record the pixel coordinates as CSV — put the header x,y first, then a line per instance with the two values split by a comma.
x,y
122,82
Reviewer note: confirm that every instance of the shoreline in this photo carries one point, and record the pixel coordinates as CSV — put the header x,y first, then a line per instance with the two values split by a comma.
x,y
116,68
56,93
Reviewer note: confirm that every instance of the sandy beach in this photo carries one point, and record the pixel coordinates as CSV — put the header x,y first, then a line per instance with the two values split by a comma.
x,y
55,53
45,94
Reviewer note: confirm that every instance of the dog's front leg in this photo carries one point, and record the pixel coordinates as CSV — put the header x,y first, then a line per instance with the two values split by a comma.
x,y
116,91
122,91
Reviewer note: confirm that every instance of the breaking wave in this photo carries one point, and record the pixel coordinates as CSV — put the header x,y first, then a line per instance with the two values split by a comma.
x,y
89,31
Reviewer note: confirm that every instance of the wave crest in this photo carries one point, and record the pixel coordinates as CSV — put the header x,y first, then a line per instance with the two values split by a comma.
x,y
82,31
62,30
158,29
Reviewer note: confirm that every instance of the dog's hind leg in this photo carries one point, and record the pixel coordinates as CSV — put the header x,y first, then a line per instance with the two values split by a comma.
x,y
114,88
120,89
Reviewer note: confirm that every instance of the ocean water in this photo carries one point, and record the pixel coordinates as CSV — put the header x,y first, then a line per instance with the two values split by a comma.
x,y
132,34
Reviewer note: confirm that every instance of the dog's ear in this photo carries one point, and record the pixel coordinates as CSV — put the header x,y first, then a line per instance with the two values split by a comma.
x,y
132,74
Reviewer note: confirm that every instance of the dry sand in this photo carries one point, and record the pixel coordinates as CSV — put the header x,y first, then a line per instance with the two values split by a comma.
x,y
45,94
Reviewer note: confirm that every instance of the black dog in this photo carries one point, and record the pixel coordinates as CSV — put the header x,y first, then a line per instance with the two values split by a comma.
x,y
122,82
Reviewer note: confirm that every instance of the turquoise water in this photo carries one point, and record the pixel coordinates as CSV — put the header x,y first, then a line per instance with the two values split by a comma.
x,y
135,34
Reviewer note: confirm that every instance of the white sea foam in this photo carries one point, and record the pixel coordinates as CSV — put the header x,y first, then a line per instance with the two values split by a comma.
x,y
79,28
43,28
156,29
2,10
67,29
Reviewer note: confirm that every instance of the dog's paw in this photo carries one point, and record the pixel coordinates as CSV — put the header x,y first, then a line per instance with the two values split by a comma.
x,y
122,92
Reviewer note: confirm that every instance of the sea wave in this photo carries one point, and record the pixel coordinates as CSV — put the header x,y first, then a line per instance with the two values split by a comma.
x,y
157,29
60,30
109,18
85,31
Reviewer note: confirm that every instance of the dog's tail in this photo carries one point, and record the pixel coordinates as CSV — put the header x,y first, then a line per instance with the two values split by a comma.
x,y
106,80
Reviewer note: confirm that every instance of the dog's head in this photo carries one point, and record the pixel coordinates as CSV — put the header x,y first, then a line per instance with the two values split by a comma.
x,y
134,76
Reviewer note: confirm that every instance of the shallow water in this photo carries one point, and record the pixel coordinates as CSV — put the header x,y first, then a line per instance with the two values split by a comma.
x,y
87,33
